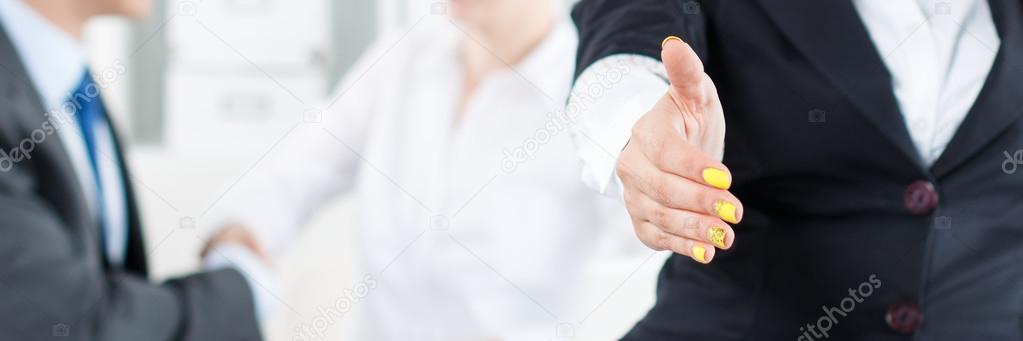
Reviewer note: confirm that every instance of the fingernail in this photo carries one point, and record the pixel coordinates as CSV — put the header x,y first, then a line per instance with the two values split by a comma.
x,y
717,236
669,38
726,211
699,253
717,178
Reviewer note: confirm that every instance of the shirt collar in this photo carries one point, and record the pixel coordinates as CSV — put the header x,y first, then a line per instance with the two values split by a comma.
x,y
554,50
54,61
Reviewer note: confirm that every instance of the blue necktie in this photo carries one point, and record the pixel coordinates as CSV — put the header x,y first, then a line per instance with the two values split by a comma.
x,y
90,111
91,114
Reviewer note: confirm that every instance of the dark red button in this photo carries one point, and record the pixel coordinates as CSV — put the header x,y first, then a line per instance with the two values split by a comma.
x,y
920,197
904,317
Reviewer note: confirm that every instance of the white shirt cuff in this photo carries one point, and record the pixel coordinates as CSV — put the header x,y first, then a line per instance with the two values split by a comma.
x,y
261,281
607,100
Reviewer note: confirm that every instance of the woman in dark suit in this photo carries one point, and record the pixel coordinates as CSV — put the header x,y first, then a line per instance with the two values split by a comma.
x,y
858,193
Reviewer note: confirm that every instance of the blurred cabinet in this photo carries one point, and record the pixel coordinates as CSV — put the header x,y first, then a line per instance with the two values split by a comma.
x,y
243,113
264,31
232,76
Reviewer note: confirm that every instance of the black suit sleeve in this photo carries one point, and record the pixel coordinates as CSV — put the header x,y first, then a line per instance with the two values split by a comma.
x,y
609,27
54,286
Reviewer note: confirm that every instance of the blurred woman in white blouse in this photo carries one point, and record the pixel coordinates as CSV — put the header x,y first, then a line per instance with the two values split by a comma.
x,y
451,134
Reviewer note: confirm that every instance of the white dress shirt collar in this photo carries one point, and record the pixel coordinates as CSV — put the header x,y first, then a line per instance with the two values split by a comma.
x,y
538,63
535,67
55,61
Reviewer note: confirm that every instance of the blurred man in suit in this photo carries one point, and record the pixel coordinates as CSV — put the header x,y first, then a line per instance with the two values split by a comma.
x,y
72,260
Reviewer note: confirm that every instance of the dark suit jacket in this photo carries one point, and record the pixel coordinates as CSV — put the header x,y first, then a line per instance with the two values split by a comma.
x,y
836,197
54,280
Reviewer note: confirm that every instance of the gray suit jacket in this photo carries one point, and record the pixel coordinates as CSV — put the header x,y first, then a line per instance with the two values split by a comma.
x,y
54,280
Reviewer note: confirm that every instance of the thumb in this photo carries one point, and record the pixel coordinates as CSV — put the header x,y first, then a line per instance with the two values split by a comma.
x,y
684,68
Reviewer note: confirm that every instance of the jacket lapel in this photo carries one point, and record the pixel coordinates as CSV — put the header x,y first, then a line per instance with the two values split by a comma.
x,y
835,41
26,109
135,255
1001,99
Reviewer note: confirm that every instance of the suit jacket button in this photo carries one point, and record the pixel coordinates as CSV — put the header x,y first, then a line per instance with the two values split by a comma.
x,y
904,317
920,198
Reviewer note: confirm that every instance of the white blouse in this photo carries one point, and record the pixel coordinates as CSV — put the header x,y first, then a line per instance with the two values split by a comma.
x,y
471,228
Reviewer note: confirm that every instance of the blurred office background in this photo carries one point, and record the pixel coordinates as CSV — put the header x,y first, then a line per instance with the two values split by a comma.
x,y
209,87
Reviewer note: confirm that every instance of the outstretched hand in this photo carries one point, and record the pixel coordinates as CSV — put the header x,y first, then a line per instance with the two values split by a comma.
x,y
675,186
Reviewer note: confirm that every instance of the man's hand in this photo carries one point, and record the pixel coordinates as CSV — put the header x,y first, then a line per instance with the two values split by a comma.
x,y
256,270
236,234
675,186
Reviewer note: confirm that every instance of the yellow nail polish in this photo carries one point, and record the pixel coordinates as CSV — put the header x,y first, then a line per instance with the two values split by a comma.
x,y
726,211
717,236
669,38
699,253
717,178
